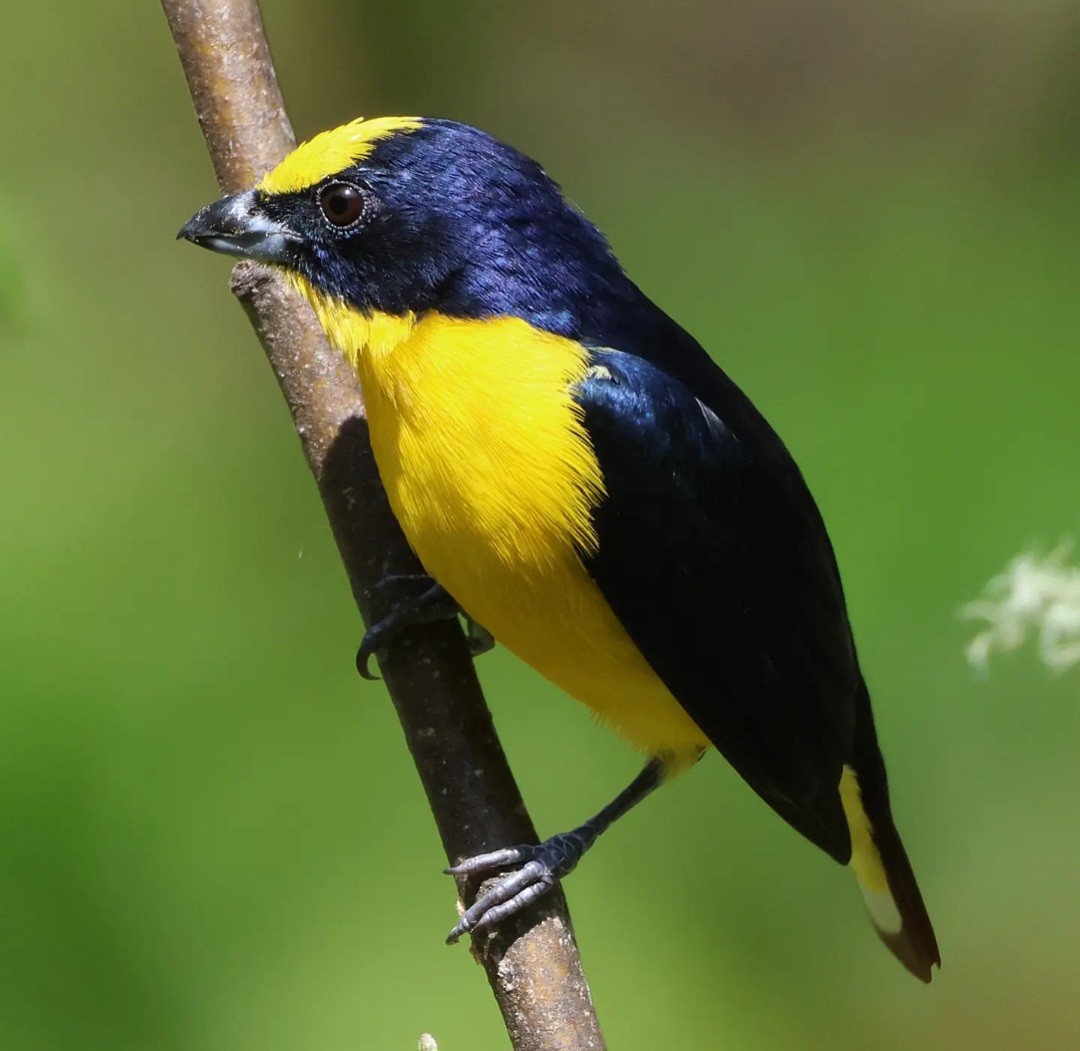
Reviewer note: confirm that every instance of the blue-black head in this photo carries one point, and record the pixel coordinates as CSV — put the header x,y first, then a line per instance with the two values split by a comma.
x,y
401,215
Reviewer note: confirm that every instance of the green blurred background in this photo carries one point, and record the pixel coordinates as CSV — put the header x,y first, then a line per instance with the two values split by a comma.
x,y
211,834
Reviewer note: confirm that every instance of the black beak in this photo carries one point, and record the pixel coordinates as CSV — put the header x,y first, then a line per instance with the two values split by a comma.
x,y
236,226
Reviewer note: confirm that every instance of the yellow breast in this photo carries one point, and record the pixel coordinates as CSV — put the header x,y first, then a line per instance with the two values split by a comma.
x,y
490,472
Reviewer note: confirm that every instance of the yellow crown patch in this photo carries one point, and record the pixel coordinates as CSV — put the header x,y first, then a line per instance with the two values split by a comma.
x,y
333,151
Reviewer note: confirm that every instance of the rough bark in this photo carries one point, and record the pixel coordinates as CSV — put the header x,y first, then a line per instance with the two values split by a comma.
x,y
532,962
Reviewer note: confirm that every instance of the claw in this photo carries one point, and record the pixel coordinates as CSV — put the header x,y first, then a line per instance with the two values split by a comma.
x,y
481,640
363,658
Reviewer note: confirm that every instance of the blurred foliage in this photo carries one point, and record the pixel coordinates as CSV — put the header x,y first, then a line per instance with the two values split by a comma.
x,y
212,834
9,277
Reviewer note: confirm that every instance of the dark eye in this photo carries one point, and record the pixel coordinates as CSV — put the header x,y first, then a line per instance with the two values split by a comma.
x,y
343,205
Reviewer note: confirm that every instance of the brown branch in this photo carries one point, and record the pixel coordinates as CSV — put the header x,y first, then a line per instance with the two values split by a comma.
x,y
532,964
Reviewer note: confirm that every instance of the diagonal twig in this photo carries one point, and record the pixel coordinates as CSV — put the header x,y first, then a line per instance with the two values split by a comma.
x,y
532,962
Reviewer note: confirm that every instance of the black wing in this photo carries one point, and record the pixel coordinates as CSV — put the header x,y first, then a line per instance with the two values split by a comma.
x,y
713,556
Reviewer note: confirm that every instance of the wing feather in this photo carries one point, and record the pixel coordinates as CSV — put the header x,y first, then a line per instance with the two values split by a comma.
x,y
715,559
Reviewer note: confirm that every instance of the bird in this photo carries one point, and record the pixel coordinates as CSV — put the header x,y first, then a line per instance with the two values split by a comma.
x,y
577,475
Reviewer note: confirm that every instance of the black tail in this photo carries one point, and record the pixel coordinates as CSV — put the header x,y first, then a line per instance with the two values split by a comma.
x,y
878,856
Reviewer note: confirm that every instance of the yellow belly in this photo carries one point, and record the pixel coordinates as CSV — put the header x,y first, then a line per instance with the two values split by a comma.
x,y
490,472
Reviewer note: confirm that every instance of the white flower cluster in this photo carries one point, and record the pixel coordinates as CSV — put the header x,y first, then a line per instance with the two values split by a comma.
x,y
1036,595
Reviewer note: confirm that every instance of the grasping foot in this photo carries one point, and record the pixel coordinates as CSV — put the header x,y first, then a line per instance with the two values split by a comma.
x,y
429,606
538,868
417,599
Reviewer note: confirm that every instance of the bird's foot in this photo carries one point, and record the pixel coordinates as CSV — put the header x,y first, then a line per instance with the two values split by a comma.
x,y
536,871
415,599
427,604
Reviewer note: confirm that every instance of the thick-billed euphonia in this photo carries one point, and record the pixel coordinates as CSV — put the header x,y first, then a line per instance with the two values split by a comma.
x,y
578,476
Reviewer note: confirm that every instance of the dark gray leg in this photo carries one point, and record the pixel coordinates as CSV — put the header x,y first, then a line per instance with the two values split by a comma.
x,y
538,867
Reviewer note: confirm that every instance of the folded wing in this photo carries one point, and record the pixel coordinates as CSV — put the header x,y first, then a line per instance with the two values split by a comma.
x,y
716,561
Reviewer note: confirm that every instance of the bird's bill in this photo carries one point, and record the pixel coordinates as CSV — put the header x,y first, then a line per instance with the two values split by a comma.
x,y
235,226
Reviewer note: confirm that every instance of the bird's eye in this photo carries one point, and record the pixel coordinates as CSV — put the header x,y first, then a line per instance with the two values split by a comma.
x,y
343,205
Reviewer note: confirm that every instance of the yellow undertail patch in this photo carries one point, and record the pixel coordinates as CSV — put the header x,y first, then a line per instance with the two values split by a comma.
x,y
866,860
